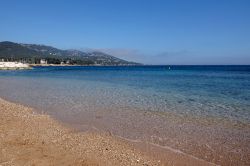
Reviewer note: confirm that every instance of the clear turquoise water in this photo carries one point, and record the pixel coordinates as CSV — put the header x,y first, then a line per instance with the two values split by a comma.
x,y
214,91
199,110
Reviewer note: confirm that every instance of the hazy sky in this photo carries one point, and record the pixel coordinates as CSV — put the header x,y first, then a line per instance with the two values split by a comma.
x,y
147,31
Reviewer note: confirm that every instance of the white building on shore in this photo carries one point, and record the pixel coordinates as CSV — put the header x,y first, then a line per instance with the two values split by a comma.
x,y
43,61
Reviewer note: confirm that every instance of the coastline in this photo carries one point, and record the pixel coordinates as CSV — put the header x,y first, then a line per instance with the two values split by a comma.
x,y
14,66
31,138
69,65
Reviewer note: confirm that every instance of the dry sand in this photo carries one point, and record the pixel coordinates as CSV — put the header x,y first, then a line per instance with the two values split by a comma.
x,y
28,138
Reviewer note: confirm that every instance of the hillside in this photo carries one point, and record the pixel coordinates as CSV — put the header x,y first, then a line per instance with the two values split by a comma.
x,y
33,54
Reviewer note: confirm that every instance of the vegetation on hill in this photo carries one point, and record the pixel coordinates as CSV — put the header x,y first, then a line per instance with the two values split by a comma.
x,y
33,54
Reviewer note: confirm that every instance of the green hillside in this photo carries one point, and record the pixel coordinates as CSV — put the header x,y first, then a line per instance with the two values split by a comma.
x,y
32,53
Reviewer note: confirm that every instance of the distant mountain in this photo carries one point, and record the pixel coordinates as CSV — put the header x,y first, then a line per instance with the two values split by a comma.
x,y
33,53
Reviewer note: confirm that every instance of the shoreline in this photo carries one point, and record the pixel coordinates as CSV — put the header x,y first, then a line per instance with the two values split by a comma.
x,y
30,137
70,65
14,66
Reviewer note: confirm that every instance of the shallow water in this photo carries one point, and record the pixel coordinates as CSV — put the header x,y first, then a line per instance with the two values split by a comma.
x,y
200,110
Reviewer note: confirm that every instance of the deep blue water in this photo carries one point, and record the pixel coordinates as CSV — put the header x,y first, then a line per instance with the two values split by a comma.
x,y
202,91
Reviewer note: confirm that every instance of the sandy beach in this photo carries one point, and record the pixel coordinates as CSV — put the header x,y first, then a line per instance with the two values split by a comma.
x,y
125,83
28,138
31,139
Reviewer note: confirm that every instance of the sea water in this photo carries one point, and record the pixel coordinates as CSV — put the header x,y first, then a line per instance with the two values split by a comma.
x,y
215,98
214,91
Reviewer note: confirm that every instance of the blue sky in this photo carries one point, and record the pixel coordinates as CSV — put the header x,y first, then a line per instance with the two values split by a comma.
x,y
147,31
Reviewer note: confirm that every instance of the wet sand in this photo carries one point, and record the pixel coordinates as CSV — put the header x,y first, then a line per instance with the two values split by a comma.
x,y
212,140
29,138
